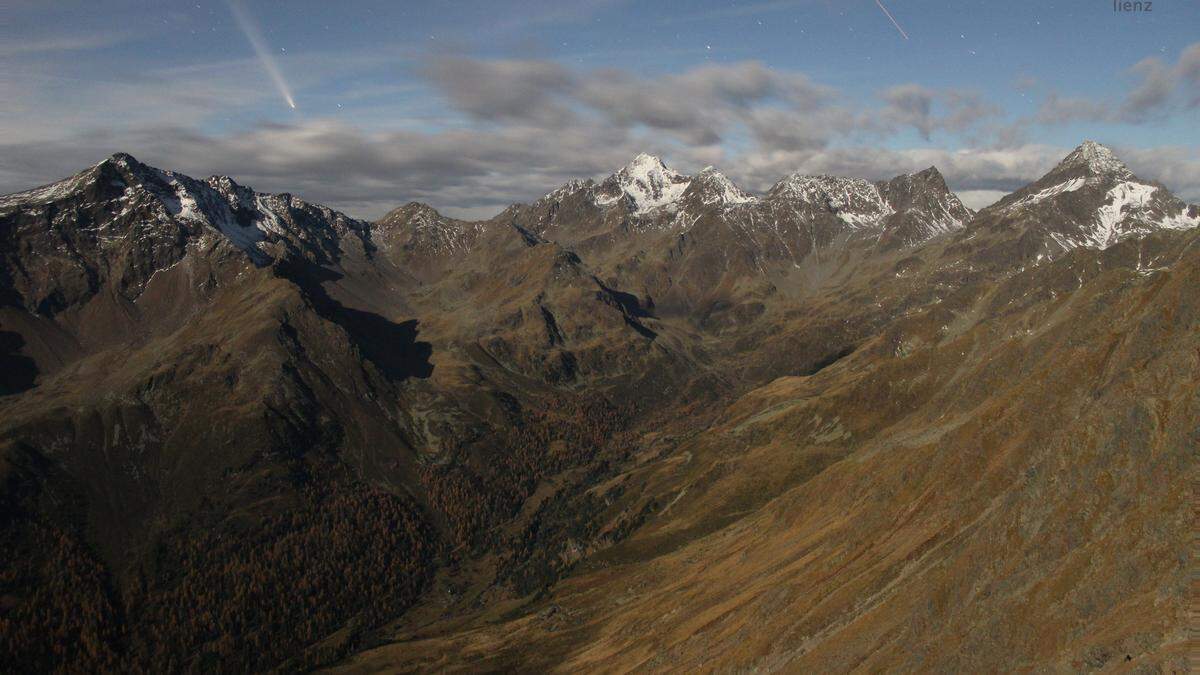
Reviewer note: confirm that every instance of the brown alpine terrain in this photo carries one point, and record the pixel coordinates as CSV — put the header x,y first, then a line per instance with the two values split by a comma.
x,y
647,423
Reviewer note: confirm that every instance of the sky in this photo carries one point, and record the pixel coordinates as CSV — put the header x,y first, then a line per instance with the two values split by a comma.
x,y
471,106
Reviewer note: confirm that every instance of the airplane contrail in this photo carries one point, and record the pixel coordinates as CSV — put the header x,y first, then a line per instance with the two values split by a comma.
x,y
889,15
255,37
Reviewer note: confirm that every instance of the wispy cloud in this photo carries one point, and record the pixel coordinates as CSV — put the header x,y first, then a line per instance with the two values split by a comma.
x,y
1157,88
16,45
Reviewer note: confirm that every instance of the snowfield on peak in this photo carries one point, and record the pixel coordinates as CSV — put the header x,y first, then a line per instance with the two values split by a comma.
x,y
1128,204
648,182
1124,197
197,202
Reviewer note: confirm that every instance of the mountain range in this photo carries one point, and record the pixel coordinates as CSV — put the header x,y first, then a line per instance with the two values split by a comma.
x,y
654,422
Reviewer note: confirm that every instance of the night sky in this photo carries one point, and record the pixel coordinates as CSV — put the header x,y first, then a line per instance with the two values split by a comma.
x,y
473,105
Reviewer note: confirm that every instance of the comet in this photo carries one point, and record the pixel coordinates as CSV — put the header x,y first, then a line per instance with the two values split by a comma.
x,y
255,37
892,18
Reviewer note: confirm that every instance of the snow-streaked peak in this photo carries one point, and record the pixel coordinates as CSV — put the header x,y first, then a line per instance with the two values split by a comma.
x,y
570,187
160,200
856,201
925,204
716,188
1096,159
418,225
647,181
1091,199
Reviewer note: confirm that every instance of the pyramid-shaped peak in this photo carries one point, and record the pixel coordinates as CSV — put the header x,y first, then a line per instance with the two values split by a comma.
x,y
123,158
1095,158
644,158
647,165
715,187
710,173
414,211
926,179
645,180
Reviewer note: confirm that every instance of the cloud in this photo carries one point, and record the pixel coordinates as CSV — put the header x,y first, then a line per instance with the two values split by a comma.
x,y
1158,89
928,110
977,199
784,130
16,45
503,90
1058,109
1157,82
910,105
699,107
1188,71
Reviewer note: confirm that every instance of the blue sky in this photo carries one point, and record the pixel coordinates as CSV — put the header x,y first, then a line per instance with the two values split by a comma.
x,y
473,105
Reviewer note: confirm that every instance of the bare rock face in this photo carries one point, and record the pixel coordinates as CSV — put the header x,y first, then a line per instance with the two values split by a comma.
x,y
654,422
923,207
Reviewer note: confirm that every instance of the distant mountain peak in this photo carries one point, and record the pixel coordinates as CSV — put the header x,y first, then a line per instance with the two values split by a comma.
x,y
1097,159
645,161
925,207
713,187
419,226
647,181
929,174
413,214
1091,199
123,159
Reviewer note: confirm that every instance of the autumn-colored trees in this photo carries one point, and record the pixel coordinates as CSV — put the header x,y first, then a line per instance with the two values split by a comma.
x,y
252,598
233,598
258,589
55,604
557,434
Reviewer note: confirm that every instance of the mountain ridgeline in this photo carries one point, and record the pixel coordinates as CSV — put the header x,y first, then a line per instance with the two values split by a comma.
x,y
654,422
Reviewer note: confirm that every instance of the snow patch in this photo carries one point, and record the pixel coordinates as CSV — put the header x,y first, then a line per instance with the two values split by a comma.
x,y
1124,198
1052,191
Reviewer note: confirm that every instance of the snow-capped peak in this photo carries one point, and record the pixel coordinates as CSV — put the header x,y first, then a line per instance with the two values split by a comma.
x,y
647,182
1091,199
1097,159
644,163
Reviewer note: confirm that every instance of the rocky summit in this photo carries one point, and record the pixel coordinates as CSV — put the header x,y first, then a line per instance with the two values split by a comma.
x,y
653,422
